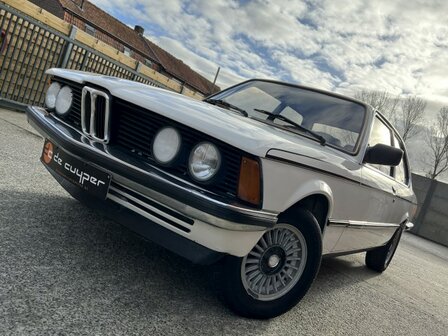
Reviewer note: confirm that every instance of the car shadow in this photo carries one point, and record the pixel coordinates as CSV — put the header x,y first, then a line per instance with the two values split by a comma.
x,y
66,256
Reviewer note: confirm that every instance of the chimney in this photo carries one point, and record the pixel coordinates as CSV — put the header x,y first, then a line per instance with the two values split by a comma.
x,y
139,29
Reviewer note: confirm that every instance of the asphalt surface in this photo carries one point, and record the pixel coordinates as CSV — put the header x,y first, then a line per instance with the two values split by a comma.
x,y
66,270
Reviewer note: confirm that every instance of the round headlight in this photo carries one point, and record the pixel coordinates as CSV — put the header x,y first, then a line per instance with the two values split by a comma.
x,y
64,100
204,162
166,145
52,93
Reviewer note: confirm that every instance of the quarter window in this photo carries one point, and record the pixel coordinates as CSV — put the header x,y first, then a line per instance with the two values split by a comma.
x,y
401,171
381,134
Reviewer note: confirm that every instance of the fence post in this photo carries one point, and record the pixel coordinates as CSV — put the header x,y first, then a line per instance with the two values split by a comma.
x,y
137,70
425,206
68,48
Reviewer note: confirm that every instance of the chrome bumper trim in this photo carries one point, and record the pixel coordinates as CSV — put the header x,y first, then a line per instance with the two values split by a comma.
x,y
227,216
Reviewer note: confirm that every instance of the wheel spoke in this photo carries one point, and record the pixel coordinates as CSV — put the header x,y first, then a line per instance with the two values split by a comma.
x,y
259,248
293,267
257,280
263,281
263,243
252,261
282,279
290,245
275,236
253,275
251,268
292,251
281,236
255,254
269,238
275,282
268,283
276,262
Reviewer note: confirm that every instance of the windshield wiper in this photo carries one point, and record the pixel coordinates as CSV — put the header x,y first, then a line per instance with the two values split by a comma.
x,y
226,104
319,137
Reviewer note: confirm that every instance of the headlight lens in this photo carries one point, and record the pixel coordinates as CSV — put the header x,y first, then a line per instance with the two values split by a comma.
x,y
204,162
166,145
52,93
64,100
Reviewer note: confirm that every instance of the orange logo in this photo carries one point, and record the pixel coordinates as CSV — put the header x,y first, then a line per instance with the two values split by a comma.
x,y
48,152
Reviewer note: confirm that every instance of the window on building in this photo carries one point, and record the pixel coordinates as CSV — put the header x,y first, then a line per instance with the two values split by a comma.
x,y
127,51
90,30
148,62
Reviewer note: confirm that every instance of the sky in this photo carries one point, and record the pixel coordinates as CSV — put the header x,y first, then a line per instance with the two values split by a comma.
x,y
343,46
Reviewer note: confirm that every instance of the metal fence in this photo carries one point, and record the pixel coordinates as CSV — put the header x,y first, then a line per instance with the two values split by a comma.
x,y
28,48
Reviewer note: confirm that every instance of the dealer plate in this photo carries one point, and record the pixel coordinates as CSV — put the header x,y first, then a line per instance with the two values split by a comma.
x,y
83,175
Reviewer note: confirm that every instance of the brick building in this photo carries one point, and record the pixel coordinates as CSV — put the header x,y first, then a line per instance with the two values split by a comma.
x,y
96,22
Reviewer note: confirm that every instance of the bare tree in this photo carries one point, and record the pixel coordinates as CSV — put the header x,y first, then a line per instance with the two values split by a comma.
x,y
405,114
437,141
383,101
410,115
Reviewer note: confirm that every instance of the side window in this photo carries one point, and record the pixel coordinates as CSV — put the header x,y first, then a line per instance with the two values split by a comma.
x,y
381,134
401,171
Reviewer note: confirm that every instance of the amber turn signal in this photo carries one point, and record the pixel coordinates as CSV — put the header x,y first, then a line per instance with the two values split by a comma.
x,y
249,186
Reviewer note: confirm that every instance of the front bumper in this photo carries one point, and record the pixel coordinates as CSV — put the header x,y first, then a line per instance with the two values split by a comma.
x,y
144,190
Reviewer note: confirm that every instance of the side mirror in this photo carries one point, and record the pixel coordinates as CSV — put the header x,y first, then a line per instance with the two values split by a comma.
x,y
383,155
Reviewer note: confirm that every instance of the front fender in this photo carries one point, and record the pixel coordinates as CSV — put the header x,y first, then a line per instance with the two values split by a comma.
x,y
285,185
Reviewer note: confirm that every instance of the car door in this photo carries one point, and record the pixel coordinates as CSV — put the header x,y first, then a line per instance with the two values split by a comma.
x,y
404,195
377,197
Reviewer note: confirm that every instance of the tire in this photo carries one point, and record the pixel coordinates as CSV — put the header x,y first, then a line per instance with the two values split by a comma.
x,y
379,258
276,254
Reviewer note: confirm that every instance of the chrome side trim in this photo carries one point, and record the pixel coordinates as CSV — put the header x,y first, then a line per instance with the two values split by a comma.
x,y
408,226
361,224
91,130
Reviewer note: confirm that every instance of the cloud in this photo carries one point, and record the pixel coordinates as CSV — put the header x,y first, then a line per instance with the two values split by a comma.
x,y
398,46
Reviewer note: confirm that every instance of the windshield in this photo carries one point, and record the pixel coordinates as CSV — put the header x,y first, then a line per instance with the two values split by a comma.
x,y
338,120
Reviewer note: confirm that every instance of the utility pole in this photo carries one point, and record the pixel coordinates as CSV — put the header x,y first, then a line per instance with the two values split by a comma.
x,y
214,81
216,76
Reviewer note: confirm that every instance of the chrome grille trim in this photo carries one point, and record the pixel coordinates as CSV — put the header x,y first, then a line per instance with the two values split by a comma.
x,y
89,119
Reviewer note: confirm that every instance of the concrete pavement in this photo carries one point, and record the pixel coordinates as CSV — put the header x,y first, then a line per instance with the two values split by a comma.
x,y
64,269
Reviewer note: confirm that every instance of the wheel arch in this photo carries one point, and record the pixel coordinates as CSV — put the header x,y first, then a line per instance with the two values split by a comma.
x,y
316,197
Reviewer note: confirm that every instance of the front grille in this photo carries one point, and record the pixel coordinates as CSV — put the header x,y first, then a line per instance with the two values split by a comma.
x,y
133,129
95,113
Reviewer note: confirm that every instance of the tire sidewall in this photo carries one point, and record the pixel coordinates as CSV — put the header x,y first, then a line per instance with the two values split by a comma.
x,y
244,304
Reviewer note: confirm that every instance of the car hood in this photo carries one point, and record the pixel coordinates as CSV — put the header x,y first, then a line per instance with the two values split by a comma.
x,y
231,127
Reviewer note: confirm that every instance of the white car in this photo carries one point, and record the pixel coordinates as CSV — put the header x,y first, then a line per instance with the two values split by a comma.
x,y
266,177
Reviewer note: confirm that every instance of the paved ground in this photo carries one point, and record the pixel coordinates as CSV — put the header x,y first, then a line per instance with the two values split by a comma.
x,y
66,270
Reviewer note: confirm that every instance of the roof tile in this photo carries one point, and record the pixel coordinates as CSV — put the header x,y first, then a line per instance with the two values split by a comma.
x,y
107,23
